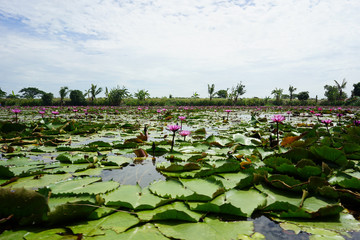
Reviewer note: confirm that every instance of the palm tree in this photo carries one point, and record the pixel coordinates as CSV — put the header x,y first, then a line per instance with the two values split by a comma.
x,y
195,95
292,90
237,91
277,93
142,94
94,91
63,92
340,88
211,90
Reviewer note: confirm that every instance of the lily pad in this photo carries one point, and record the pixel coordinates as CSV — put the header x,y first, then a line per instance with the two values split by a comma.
x,y
173,211
209,229
133,197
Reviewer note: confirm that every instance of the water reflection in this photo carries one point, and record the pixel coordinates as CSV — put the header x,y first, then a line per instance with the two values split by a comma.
x,y
140,172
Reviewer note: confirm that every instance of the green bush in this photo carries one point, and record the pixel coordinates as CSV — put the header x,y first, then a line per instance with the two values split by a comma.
x,y
77,98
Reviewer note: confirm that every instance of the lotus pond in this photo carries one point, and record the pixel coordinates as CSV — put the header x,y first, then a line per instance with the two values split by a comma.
x,y
179,173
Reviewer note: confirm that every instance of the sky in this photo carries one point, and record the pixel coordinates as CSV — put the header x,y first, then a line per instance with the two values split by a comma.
x,y
178,47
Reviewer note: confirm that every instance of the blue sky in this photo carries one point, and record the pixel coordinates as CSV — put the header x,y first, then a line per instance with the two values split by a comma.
x,y
178,47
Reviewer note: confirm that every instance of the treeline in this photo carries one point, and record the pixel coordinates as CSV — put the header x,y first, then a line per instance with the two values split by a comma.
x,y
165,101
31,96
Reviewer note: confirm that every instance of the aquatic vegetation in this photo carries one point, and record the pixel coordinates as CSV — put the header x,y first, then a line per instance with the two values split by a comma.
x,y
116,172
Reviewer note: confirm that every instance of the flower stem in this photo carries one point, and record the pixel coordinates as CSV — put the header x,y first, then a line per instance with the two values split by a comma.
x,y
172,142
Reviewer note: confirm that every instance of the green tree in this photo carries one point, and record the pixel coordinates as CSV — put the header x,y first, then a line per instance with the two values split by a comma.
x,y
142,94
292,89
237,91
94,91
47,99
303,96
331,92
13,95
2,93
195,95
31,92
340,88
277,92
356,91
211,91
222,93
63,93
77,98
116,95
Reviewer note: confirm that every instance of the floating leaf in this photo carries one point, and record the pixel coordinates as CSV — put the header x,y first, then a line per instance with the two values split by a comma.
x,y
39,181
170,189
26,206
247,141
238,180
330,154
69,209
234,202
209,229
133,197
174,211
118,222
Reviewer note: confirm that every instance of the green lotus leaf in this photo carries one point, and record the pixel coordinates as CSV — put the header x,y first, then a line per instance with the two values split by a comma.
x,y
39,181
285,182
297,154
234,202
26,206
133,197
244,140
116,161
204,189
11,234
275,162
147,231
73,185
99,144
118,222
330,154
192,149
345,181
21,171
238,180
319,207
309,171
19,162
55,233
209,229
340,224
203,172
69,209
224,166
280,201
90,172
218,141
177,166
174,211
69,158
157,152
170,189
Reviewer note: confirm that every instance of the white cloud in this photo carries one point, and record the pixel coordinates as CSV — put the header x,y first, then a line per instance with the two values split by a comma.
x,y
264,43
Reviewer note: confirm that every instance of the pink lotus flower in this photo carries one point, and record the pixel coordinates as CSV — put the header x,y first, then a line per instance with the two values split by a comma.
x,y
228,110
173,128
16,111
327,121
278,118
184,133
55,112
182,118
